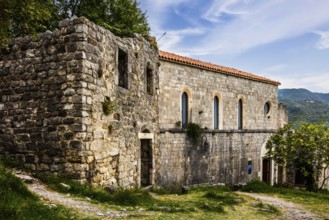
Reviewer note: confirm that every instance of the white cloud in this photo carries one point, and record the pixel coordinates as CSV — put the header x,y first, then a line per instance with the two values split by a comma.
x,y
255,23
315,82
171,38
218,8
266,22
323,42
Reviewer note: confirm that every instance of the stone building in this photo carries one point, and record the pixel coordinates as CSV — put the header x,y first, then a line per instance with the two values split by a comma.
x,y
110,111
239,112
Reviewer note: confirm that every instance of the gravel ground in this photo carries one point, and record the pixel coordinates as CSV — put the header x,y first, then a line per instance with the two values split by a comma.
x,y
81,206
290,210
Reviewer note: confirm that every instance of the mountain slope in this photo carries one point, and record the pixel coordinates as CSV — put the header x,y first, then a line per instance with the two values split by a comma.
x,y
305,106
302,95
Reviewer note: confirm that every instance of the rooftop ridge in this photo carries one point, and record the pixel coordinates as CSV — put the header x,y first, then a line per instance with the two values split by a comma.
x,y
163,55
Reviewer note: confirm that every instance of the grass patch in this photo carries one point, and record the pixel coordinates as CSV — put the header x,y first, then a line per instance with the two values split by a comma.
x,y
263,207
202,202
18,203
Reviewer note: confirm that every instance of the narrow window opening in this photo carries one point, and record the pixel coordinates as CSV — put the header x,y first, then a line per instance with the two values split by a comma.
x,y
184,110
149,81
240,115
216,112
123,69
249,167
267,108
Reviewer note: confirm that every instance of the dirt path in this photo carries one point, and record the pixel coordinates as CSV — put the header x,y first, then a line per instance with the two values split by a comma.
x,y
81,206
290,210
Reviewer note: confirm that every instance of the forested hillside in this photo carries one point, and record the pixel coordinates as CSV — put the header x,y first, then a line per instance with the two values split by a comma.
x,y
305,106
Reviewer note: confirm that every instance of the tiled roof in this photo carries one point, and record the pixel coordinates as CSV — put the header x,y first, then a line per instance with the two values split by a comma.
x,y
213,67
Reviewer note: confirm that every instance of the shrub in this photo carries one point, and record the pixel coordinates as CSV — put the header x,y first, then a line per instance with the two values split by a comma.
x,y
194,132
109,107
257,186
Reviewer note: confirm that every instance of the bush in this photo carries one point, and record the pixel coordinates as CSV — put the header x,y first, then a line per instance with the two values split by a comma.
x,y
257,186
109,107
194,132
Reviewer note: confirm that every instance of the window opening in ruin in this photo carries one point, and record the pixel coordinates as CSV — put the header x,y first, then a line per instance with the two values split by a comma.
x,y
240,115
146,162
267,108
216,112
184,110
249,167
123,69
149,81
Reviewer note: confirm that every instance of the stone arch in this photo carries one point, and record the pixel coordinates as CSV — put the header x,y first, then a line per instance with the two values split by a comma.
x,y
267,167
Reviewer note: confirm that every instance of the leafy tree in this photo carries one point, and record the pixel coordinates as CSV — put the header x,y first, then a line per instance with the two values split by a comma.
x,y
122,17
23,17
306,149
27,17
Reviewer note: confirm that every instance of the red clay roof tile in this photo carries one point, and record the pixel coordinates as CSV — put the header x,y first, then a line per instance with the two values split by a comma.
x,y
216,68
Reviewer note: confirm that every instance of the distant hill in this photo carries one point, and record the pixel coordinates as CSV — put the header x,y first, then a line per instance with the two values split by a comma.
x,y
302,95
305,106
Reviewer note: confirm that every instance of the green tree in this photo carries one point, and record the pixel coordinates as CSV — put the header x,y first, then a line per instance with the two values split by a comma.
x,y
23,17
27,17
122,17
306,149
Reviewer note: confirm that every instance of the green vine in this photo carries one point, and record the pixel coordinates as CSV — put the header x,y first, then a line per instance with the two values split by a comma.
x,y
178,124
110,129
194,132
109,107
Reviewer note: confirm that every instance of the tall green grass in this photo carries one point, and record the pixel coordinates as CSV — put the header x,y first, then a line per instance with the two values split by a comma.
x,y
16,202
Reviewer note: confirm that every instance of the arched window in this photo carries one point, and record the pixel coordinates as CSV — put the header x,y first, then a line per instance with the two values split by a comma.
x,y
184,110
216,112
240,114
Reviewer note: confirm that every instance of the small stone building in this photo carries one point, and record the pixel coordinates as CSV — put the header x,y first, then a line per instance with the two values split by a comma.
x,y
112,111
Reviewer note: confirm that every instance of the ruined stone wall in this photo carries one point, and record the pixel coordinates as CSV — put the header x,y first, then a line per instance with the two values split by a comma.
x,y
229,149
40,101
51,107
113,140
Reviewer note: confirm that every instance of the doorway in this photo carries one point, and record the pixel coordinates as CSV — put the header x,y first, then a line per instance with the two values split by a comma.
x,y
267,170
146,162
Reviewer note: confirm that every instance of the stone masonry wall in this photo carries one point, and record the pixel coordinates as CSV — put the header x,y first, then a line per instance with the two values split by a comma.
x,y
113,140
52,92
40,101
229,149
224,161
202,86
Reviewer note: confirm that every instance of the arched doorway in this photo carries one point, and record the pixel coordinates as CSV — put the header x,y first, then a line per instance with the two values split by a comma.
x,y
268,174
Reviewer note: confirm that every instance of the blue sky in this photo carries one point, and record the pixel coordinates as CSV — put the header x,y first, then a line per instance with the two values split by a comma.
x,y
284,40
